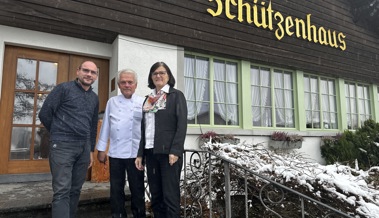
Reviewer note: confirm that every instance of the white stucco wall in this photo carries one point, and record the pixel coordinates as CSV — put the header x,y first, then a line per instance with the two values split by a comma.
x,y
140,55
45,41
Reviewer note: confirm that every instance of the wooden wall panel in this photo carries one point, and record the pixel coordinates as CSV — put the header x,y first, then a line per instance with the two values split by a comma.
x,y
186,23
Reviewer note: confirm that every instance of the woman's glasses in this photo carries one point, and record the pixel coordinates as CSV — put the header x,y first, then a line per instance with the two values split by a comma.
x,y
160,73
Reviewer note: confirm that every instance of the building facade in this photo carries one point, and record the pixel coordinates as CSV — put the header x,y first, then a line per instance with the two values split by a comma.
x,y
247,68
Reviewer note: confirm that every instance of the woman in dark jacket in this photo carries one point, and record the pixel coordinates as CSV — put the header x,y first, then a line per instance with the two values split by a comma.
x,y
163,131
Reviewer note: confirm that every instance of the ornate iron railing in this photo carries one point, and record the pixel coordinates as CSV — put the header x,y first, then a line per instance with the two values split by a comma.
x,y
214,186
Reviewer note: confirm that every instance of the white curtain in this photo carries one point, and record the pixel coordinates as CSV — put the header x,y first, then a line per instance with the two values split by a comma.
x,y
225,91
279,98
283,99
261,97
231,94
219,89
195,88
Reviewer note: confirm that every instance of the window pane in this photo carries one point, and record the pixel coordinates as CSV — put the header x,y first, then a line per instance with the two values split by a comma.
x,y
20,143
307,101
331,87
191,115
266,97
47,75
219,92
266,117
290,122
220,114
287,80
280,117
231,72
202,90
189,69
255,96
316,119
348,109
257,117
279,98
278,80
352,90
26,74
202,68
315,102
190,89
219,71
314,86
306,84
232,115
288,103
254,76
232,96
265,77
308,116
332,102
204,115
23,108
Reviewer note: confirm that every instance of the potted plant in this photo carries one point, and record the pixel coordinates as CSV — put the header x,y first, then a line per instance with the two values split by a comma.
x,y
208,136
284,140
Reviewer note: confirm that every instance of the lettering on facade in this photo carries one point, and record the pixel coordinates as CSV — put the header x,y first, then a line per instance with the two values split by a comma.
x,y
263,16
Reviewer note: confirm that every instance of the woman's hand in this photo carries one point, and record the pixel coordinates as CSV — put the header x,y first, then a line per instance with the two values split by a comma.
x,y
172,158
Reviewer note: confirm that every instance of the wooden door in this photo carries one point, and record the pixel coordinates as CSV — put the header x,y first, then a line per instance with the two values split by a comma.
x,y
28,77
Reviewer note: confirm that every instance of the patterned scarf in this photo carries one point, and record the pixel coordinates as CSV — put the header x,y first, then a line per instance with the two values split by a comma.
x,y
155,102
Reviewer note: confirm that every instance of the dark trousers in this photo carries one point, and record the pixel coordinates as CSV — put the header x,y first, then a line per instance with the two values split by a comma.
x,y
117,168
164,184
69,162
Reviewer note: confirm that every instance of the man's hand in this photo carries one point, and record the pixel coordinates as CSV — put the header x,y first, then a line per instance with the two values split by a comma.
x,y
138,163
102,157
91,160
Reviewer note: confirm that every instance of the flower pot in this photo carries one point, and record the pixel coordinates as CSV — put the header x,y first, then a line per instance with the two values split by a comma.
x,y
284,144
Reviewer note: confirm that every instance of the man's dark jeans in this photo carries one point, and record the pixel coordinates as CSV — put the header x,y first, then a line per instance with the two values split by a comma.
x,y
118,167
69,163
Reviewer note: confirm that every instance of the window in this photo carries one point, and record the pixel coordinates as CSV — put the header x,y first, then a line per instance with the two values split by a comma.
x,y
262,97
196,77
320,103
357,104
211,102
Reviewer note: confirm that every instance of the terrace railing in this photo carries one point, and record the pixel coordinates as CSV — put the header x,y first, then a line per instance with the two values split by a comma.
x,y
214,186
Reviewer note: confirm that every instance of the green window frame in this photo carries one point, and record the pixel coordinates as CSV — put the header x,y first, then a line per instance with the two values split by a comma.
x,y
320,102
272,97
358,104
212,90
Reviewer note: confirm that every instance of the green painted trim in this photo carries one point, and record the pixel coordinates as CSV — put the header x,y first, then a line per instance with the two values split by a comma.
x,y
245,96
299,101
341,104
375,102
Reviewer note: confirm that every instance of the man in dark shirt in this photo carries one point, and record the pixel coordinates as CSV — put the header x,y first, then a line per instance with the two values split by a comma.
x,y
70,114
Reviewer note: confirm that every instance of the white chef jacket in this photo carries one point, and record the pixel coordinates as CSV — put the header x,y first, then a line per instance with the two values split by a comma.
x,y
122,126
